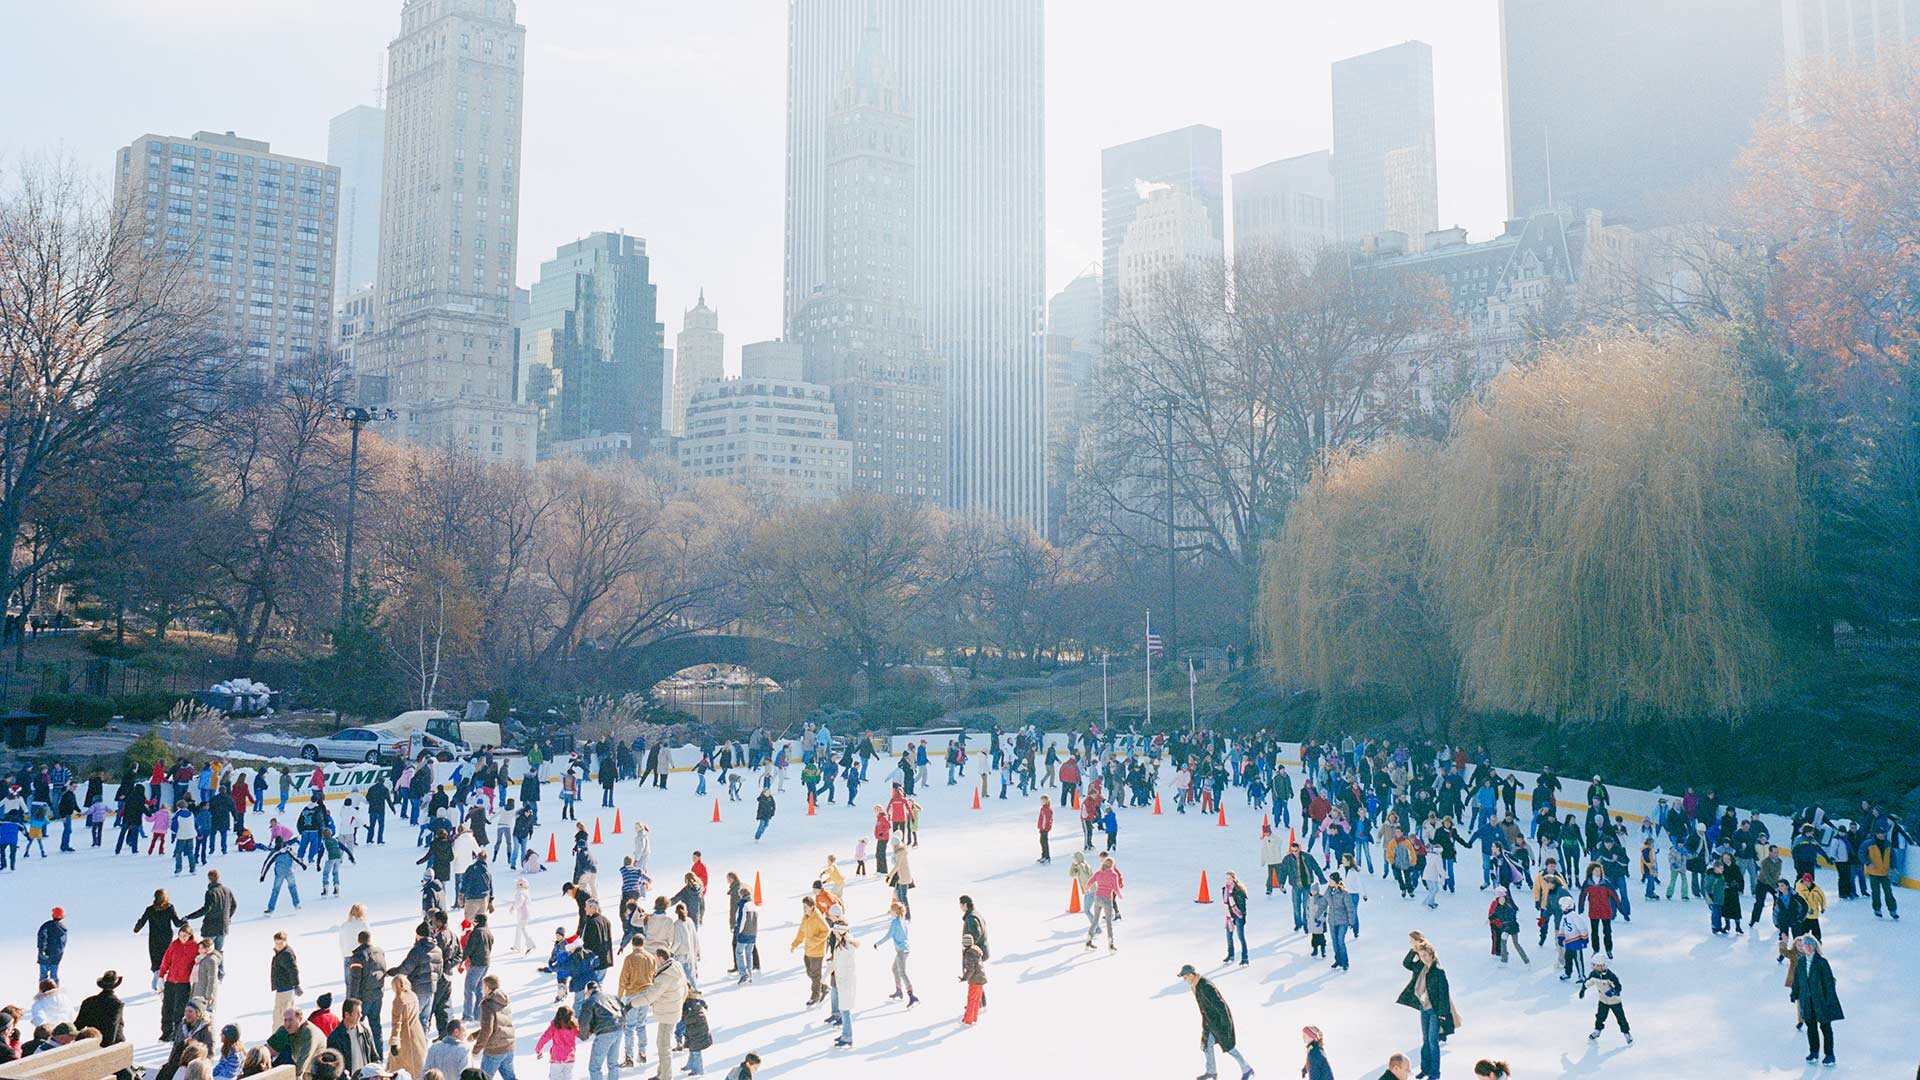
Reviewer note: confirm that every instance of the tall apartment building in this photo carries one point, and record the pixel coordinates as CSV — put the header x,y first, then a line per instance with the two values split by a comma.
x,y
768,429
356,145
699,357
255,228
590,344
861,328
449,228
1384,172
1636,108
353,324
1171,236
1286,204
1187,160
971,77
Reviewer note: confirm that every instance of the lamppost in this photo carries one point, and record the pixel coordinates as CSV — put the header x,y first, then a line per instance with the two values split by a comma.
x,y
355,416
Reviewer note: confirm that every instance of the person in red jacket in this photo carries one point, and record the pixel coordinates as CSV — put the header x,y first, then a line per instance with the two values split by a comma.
x,y
1089,816
1069,778
897,811
1598,900
1046,826
176,979
882,830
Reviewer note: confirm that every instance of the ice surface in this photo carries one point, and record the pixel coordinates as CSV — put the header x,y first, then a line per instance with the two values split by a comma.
x,y
1701,1006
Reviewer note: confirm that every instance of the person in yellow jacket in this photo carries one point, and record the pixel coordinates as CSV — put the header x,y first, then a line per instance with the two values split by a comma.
x,y
832,878
1815,899
1879,860
813,936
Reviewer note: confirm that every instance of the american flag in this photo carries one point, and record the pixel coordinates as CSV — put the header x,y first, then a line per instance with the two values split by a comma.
x,y
1154,645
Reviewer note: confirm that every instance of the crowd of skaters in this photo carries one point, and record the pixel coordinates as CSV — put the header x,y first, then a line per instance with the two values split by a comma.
x,y
1419,807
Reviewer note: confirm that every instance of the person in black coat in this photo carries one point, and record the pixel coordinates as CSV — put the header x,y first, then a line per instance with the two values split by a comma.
x,y
1428,993
216,915
1814,991
103,1011
1216,1021
160,920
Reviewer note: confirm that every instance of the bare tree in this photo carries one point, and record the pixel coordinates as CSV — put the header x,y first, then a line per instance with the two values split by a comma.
x,y
95,322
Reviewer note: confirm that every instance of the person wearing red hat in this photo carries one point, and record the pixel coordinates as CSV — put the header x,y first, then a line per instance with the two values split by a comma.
x,y
50,944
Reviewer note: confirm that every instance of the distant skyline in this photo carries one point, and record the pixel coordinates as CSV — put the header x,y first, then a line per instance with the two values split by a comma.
x,y
668,120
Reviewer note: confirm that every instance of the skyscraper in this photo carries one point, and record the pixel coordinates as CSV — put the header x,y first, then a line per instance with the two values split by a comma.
x,y
1636,108
1286,204
699,356
590,345
356,145
449,227
971,79
768,429
1384,171
861,327
255,227
1076,332
1187,160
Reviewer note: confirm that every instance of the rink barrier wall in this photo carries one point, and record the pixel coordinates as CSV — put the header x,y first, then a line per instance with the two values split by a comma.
x,y
1632,804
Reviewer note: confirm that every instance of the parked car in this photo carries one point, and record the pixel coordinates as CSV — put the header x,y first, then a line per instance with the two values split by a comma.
x,y
351,744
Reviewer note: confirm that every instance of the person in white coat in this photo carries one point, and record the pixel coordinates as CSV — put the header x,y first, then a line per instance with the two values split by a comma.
x,y
664,995
686,944
350,939
522,908
1272,854
846,979
642,845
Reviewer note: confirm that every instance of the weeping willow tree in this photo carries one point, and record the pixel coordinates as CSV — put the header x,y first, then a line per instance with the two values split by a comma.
x,y
1347,605
1616,535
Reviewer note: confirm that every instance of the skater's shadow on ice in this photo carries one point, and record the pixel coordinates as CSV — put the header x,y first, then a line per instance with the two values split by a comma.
x,y
1293,991
1590,1062
1036,954
1299,962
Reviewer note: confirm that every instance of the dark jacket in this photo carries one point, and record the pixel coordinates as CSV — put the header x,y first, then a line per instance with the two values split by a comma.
x,y
51,942
421,966
355,1044
367,973
1814,991
284,970
216,911
972,923
596,936
104,1012
159,921
693,1013
1437,992
478,951
1215,1018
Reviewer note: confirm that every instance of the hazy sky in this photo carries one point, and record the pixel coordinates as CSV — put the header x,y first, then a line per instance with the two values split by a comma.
x,y
667,117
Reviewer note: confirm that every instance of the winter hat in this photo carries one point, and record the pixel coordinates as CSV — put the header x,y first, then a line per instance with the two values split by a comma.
x,y
1566,903
324,1001
1310,1033
59,913
230,1033
1599,962
197,1004
1806,877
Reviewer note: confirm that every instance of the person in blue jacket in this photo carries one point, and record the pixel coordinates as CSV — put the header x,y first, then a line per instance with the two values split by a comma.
x,y
50,945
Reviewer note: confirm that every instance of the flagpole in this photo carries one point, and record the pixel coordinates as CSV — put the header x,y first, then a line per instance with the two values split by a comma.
x,y
1103,689
1149,644
1193,720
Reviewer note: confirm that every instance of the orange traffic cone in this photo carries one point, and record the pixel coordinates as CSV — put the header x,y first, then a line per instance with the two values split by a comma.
x,y
616,821
553,849
1223,815
757,900
1273,879
716,811
1073,800
596,830
1073,898
1290,840
1156,802
1204,897
1266,825
976,800
809,804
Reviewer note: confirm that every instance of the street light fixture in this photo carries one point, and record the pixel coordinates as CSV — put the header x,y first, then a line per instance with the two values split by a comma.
x,y
355,416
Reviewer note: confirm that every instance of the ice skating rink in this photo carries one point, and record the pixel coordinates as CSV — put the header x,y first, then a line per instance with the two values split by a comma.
x,y
1700,1005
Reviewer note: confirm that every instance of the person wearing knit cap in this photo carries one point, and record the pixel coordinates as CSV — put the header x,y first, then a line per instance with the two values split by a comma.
x,y
1316,1067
